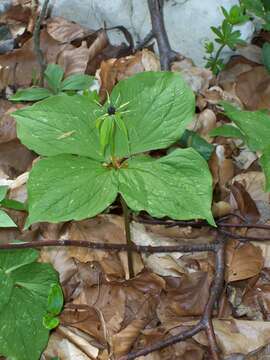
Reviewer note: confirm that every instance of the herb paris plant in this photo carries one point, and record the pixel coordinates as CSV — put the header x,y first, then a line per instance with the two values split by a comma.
x,y
76,179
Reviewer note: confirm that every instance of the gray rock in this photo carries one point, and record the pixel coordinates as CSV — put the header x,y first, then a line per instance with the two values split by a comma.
x,y
187,21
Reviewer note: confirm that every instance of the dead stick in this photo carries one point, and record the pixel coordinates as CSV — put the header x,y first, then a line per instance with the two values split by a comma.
x,y
167,55
118,247
36,36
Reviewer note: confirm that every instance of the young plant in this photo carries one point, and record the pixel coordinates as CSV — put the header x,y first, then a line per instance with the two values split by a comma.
x,y
25,288
54,75
253,127
227,36
92,153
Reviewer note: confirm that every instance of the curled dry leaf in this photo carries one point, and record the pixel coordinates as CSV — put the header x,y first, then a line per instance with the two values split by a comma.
x,y
215,94
66,344
246,205
204,123
222,169
243,261
114,70
197,78
63,30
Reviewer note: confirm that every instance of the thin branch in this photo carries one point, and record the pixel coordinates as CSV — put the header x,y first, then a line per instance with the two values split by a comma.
x,y
167,55
184,248
242,238
36,36
145,41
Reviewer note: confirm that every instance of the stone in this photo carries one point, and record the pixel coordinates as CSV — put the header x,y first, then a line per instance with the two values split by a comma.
x,y
187,21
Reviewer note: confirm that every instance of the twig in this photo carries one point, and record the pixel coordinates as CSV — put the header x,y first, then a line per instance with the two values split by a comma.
x,y
117,247
167,55
206,321
36,37
242,238
145,41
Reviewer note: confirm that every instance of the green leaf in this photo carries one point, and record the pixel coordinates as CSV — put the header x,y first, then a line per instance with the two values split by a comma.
x,y
67,187
192,139
13,204
77,82
60,124
159,107
106,129
265,164
254,6
54,75
31,94
266,56
55,300
5,220
22,334
266,4
227,131
255,125
50,322
178,185
3,192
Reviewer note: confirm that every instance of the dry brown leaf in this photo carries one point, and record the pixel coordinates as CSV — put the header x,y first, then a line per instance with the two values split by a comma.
x,y
197,78
246,205
239,336
243,261
63,30
184,296
222,170
66,344
253,88
114,70
73,60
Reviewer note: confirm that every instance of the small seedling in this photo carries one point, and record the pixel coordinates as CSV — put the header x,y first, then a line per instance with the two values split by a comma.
x,y
227,36
54,75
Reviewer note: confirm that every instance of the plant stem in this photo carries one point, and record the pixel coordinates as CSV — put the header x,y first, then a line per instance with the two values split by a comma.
x,y
126,214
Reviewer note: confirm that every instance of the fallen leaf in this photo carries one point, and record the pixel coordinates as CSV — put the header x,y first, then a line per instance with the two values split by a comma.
x,y
243,261
246,205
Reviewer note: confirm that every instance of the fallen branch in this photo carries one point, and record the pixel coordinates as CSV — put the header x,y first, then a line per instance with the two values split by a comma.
x,y
167,55
117,247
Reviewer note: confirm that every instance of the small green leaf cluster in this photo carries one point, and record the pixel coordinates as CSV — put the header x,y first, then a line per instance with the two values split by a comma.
x,y
253,127
54,75
259,8
26,286
54,307
226,36
83,168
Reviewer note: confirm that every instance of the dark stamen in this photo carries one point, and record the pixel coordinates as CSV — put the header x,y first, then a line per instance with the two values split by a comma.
x,y
111,110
